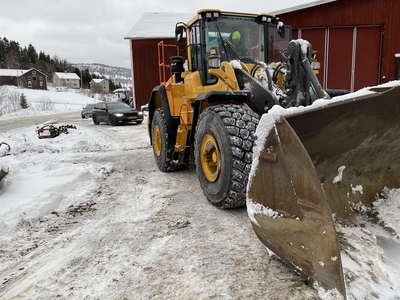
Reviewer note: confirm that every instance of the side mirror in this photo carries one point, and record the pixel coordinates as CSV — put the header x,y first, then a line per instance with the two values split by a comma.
x,y
179,30
280,27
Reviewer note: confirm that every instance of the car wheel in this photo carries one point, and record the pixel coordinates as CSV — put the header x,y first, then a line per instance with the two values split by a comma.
x,y
94,118
112,121
223,153
83,117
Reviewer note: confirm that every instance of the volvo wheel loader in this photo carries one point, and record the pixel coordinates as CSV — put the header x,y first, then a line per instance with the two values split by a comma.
x,y
210,109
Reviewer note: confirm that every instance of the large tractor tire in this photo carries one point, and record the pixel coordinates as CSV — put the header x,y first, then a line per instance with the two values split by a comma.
x,y
223,153
162,149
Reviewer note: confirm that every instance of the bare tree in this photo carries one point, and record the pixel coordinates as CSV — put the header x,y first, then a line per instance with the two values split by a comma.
x,y
9,100
45,103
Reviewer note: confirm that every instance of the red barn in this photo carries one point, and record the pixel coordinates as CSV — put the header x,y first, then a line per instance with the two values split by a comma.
x,y
144,39
357,40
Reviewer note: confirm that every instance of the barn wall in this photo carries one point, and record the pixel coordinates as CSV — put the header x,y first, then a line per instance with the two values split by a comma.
x,y
8,80
353,13
145,66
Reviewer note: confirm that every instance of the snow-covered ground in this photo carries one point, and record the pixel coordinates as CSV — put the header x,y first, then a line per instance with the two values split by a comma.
x,y
87,215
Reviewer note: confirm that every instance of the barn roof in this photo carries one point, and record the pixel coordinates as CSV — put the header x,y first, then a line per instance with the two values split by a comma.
x,y
157,25
302,6
154,25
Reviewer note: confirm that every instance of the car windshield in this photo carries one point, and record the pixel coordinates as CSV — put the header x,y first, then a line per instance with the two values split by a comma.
x,y
117,105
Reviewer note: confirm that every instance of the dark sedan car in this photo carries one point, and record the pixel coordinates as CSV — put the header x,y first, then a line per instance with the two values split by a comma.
x,y
115,112
87,111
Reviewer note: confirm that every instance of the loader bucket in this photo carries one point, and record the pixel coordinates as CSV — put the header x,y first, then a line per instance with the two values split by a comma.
x,y
311,162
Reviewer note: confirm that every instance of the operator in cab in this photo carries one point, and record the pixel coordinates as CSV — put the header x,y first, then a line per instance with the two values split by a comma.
x,y
235,41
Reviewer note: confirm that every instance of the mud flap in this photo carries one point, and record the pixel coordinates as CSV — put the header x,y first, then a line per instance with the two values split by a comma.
x,y
290,212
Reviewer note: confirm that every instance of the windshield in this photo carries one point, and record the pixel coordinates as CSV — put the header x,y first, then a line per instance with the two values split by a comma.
x,y
117,105
240,34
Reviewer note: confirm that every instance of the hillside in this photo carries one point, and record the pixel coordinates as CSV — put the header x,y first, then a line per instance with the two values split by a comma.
x,y
119,75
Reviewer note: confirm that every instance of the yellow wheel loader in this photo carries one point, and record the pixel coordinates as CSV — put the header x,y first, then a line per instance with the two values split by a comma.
x,y
210,109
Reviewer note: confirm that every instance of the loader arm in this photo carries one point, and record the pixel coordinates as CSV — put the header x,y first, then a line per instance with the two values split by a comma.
x,y
294,186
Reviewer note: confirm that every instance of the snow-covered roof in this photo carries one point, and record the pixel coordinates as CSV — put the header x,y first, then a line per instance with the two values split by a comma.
x,y
157,25
302,6
97,80
63,75
13,72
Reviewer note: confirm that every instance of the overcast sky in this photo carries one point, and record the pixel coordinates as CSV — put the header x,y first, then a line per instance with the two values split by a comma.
x,y
93,31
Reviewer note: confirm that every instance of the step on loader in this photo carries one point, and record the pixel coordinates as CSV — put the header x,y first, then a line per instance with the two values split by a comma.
x,y
243,104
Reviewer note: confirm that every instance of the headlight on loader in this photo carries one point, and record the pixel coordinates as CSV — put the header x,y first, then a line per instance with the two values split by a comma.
x,y
316,65
214,59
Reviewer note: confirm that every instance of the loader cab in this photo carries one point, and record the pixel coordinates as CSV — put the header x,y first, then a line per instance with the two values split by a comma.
x,y
262,38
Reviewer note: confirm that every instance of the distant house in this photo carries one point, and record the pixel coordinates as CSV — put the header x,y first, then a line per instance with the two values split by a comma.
x,y
32,78
100,86
70,80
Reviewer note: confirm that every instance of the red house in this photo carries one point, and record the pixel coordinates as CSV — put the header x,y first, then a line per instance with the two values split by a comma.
x,y
32,78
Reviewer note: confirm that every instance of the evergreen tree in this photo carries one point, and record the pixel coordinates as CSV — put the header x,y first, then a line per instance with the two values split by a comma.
x,y
43,66
32,54
23,102
24,59
87,78
3,52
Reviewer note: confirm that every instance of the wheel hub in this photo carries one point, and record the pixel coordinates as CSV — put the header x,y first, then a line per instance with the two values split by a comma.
x,y
210,158
157,141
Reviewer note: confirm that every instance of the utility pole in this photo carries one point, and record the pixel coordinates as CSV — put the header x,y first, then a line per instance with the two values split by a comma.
x,y
81,79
